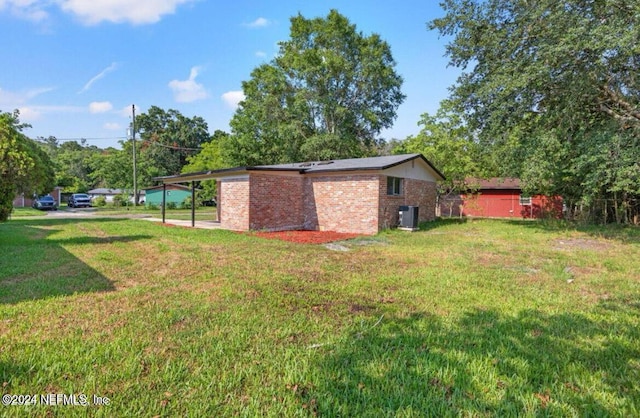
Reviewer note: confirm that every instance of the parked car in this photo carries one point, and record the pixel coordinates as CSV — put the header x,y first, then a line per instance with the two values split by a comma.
x,y
78,200
45,203
209,202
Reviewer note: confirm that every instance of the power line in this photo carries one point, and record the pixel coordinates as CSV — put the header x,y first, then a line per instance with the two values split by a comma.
x,y
82,138
175,147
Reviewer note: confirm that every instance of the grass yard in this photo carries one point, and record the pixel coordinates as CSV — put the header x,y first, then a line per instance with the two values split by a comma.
x,y
204,213
481,318
23,212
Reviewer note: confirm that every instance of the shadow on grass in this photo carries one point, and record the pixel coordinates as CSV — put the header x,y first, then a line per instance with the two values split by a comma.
x,y
486,364
52,221
623,233
34,267
440,222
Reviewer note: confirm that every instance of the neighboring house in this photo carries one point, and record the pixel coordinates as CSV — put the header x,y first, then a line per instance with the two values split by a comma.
x,y
25,201
175,193
361,195
109,194
499,198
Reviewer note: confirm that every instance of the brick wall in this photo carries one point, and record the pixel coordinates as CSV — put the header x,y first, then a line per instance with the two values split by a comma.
x,y
347,203
341,203
419,193
422,194
233,202
276,202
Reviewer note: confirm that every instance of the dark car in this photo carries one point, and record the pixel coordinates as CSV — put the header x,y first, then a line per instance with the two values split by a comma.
x,y
79,200
209,202
45,203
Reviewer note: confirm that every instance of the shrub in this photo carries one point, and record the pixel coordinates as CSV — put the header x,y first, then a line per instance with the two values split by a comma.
x,y
172,205
186,203
100,201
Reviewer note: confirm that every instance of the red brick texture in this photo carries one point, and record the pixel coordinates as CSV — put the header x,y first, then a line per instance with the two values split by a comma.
x,y
276,202
233,195
419,193
344,203
350,203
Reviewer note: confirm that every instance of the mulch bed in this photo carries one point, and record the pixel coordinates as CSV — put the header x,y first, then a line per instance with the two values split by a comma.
x,y
306,237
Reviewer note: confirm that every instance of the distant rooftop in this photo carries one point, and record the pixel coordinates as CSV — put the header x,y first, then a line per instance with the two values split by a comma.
x,y
495,183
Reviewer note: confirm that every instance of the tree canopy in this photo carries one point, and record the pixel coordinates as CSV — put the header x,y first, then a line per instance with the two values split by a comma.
x,y
328,94
552,88
24,166
168,138
447,143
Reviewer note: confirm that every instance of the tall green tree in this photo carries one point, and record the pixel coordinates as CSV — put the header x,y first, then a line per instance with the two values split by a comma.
x,y
24,166
167,139
328,94
547,86
445,141
209,158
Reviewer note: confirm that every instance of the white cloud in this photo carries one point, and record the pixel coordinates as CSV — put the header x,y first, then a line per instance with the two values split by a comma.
x,y
112,126
92,12
14,99
261,54
29,114
10,100
185,91
126,111
26,9
233,98
260,22
137,12
100,107
104,72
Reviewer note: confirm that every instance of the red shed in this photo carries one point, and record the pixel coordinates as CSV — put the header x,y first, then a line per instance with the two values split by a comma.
x,y
501,198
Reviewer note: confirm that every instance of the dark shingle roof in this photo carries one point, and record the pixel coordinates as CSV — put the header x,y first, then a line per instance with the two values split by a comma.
x,y
349,164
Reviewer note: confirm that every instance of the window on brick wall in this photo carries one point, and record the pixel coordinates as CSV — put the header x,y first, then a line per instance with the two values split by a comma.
x,y
394,186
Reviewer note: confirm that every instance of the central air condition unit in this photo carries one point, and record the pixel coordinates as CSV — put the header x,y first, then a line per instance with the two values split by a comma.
x,y
408,217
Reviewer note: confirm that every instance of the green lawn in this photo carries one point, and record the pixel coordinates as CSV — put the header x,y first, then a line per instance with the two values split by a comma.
x,y
202,213
22,212
481,318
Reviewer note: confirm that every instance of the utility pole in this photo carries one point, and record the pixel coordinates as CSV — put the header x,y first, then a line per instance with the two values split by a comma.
x,y
133,138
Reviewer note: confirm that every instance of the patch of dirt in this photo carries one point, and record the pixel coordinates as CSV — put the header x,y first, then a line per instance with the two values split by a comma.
x,y
306,237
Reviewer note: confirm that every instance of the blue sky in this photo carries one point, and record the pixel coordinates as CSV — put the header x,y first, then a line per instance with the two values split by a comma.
x,y
75,67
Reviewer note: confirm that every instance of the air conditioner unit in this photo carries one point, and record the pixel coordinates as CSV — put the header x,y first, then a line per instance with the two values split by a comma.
x,y
408,217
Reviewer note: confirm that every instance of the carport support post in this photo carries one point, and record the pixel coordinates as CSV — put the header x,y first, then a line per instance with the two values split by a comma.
x,y
164,199
193,204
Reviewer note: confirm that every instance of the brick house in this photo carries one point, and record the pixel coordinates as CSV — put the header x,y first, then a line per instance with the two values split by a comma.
x,y
359,195
23,200
500,198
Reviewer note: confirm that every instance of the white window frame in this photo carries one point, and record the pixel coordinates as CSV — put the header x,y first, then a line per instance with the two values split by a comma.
x,y
525,200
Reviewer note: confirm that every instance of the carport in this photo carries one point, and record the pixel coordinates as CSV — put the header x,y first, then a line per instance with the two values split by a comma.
x,y
190,179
